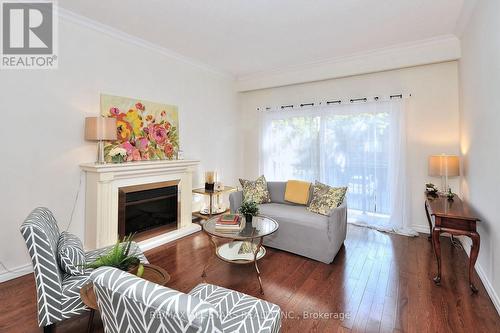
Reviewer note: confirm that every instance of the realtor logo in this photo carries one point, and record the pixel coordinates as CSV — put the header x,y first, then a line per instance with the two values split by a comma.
x,y
28,35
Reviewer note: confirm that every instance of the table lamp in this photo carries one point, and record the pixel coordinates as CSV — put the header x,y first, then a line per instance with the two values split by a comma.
x,y
100,129
444,166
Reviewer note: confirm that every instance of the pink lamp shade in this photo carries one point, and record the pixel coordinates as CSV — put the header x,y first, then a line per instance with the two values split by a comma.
x,y
100,128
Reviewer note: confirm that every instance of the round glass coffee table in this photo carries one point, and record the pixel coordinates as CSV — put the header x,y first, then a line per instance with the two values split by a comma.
x,y
245,246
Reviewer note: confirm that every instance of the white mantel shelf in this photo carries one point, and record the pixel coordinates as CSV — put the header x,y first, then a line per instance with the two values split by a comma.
x,y
101,198
139,166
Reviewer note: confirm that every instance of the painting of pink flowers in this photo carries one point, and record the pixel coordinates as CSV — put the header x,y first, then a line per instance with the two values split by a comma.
x,y
145,130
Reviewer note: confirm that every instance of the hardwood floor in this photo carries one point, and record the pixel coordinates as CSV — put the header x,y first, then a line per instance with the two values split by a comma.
x,y
379,282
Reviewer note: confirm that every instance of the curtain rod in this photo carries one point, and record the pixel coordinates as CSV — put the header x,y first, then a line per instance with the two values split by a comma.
x,y
337,101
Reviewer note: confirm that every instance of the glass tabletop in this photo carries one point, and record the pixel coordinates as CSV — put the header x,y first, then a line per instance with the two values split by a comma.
x,y
203,191
259,227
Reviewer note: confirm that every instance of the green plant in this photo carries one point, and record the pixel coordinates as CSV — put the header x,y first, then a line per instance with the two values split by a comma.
x,y
249,208
450,195
118,256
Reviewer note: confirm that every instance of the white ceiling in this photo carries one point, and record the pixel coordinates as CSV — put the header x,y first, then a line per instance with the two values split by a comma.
x,y
243,37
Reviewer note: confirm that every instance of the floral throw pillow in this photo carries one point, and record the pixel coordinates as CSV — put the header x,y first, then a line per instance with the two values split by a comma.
x,y
325,198
255,190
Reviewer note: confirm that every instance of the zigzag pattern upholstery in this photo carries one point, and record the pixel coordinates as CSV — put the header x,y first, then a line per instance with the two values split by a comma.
x,y
71,301
240,312
58,294
130,304
70,254
41,234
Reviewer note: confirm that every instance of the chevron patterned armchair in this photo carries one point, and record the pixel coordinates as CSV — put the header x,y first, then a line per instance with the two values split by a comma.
x,y
58,293
131,304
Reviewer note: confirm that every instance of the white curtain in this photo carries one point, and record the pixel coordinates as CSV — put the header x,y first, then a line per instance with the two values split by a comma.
x,y
359,145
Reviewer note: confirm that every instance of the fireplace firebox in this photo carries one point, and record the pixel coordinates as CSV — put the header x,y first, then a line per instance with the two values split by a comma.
x,y
148,210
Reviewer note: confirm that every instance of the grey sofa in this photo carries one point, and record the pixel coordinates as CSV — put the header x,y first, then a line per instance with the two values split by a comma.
x,y
131,304
300,231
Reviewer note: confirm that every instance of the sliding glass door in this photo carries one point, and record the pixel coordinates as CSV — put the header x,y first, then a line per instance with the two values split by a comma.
x,y
354,145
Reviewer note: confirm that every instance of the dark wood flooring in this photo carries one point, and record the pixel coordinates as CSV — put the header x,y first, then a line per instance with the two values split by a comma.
x,y
380,282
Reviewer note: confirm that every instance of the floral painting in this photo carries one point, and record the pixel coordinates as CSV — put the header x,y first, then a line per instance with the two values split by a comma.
x,y
145,130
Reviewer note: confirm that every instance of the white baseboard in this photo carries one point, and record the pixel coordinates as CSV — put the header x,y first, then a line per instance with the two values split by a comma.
x,y
421,228
16,272
467,244
150,243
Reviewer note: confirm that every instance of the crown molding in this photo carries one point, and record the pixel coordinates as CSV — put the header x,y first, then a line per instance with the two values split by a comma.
x,y
84,21
422,52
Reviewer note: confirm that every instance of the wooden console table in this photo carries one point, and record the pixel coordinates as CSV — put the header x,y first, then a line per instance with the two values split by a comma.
x,y
455,218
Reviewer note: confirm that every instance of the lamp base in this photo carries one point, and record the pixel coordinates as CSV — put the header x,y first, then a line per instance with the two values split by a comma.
x,y
100,153
444,184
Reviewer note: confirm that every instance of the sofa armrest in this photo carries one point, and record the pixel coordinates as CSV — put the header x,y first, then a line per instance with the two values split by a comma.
x,y
339,211
235,201
92,255
337,221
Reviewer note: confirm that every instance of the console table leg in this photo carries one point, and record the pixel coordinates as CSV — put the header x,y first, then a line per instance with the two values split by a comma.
x,y
474,251
437,251
429,238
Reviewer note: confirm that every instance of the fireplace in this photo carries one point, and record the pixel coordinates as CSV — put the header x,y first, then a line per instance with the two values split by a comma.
x,y
103,182
148,210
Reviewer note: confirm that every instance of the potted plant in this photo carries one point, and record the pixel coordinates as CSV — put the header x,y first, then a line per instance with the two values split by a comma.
x,y
118,256
450,195
249,209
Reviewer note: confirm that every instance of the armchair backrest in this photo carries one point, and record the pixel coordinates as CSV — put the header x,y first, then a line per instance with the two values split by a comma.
x,y
131,304
41,234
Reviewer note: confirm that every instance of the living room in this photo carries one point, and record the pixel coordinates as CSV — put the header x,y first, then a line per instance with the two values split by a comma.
x,y
259,166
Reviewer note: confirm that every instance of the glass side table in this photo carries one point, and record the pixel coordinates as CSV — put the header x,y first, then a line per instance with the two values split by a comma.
x,y
244,246
214,197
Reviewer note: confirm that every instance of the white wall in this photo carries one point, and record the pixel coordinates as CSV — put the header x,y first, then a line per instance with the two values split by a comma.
x,y
432,116
480,133
43,117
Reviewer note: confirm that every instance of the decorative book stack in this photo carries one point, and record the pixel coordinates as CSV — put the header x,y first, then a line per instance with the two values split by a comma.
x,y
228,223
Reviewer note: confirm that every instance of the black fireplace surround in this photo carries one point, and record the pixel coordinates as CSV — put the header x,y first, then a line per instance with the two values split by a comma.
x,y
148,210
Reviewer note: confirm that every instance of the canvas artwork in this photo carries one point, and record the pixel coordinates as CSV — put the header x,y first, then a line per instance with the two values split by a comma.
x,y
145,130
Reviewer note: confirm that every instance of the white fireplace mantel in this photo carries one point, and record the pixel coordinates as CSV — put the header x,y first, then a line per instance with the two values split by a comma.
x,y
101,197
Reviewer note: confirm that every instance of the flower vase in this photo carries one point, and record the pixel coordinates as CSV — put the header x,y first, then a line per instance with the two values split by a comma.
x,y
248,219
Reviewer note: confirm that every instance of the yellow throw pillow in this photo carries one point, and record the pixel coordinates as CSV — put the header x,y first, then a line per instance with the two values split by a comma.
x,y
297,191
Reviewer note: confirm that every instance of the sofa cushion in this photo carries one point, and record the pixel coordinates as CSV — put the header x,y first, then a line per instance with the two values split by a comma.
x,y
70,254
296,214
240,312
255,190
297,191
277,191
325,198
71,301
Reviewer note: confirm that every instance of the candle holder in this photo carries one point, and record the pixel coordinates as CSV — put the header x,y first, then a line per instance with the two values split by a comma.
x,y
210,179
